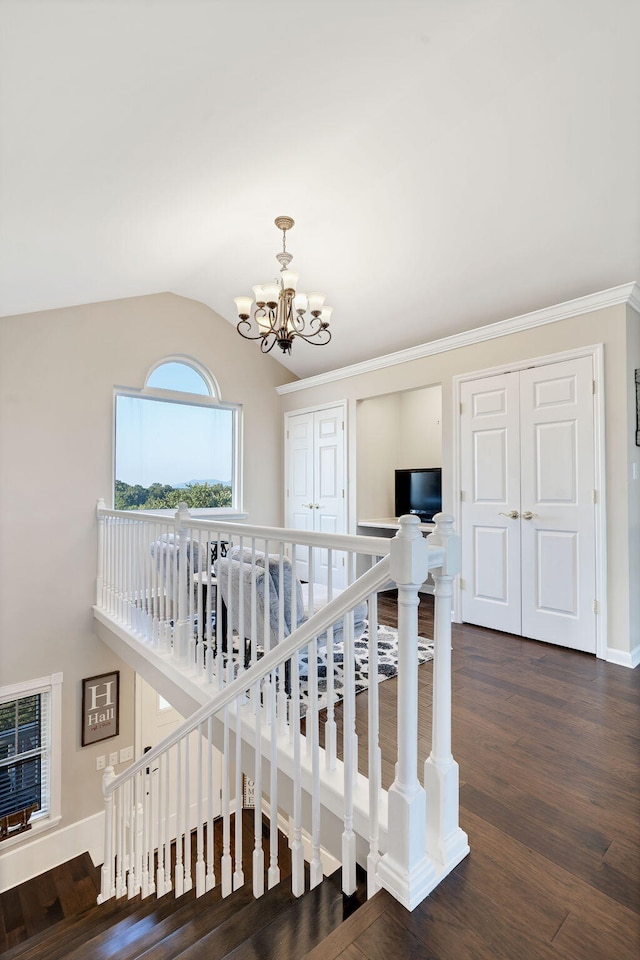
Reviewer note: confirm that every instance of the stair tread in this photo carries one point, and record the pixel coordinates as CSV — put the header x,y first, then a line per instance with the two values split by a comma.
x,y
123,938
333,945
217,943
296,928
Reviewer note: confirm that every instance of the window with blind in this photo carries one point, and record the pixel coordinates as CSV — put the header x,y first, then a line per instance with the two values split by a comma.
x,y
29,753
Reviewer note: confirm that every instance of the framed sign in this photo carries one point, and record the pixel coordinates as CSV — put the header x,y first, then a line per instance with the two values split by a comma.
x,y
100,707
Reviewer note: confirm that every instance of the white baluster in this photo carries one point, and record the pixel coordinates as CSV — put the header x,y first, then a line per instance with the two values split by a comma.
x,y
258,850
119,802
313,736
188,883
179,868
107,879
330,729
227,863
200,864
238,875
211,875
167,820
145,876
374,753
180,628
297,850
133,827
162,816
446,842
350,761
404,870
273,874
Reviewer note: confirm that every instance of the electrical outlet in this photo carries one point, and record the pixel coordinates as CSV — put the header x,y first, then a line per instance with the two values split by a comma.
x,y
100,762
126,754
113,758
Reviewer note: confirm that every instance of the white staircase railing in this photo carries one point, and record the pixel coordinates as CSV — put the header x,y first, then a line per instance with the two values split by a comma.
x,y
262,715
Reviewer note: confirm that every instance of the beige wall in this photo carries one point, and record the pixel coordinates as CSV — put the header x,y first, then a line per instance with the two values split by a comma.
x,y
57,373
407,427
608,326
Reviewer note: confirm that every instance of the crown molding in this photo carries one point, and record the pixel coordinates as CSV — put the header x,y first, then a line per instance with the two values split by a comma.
x,y
626,293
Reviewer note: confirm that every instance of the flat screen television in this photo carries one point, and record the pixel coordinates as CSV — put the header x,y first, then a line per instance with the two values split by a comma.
x,y
419,491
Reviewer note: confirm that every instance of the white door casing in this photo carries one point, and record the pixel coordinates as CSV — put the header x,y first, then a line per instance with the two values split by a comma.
x,y
527,513
316,485
155,720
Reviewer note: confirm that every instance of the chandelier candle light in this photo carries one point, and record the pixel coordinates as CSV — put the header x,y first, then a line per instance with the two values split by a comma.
x,y
280,313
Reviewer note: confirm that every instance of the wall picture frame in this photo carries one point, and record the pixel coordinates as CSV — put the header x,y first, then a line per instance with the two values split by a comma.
x,y
100,707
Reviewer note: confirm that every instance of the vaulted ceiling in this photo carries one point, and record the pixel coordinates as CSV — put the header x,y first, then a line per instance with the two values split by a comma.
x,y
448,163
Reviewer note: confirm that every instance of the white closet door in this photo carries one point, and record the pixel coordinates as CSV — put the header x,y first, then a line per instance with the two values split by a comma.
x,y
316,486
528,523
557,483
490,475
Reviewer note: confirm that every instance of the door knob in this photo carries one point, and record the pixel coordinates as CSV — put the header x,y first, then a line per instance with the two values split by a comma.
x,y
527,515
310,505
512,515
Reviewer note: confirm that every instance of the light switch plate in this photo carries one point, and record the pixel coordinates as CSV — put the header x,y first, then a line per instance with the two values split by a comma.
x,y
126,754
100,762
113,758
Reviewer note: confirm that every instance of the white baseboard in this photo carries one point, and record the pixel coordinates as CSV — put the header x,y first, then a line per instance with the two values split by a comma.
x,y
29,858
624,659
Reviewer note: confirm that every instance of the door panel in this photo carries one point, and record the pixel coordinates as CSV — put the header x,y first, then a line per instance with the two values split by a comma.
x,y
490,471
491,564
558,542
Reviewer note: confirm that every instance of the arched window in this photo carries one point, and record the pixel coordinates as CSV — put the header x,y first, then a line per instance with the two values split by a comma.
x,y
176,440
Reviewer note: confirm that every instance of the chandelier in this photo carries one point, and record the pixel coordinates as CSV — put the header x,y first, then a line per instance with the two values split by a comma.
x,y
280,314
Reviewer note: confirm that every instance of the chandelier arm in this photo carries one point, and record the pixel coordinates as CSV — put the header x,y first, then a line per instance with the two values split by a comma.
x,y
249,336
318,333
265,346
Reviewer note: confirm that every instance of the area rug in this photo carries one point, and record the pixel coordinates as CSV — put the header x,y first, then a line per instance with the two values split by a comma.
x,y
387,664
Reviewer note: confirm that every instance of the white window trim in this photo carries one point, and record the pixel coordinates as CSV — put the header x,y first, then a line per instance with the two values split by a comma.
x,y
191,399
26,688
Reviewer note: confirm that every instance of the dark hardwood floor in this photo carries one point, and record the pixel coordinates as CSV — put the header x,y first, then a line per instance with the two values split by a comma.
x,y
548,743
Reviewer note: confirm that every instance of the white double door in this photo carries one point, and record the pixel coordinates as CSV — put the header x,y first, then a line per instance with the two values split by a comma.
x,y
527,511
316,486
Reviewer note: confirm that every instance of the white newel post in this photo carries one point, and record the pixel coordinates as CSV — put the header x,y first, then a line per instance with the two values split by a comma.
x,y
182,613
405,870
446,842
100,573
107,879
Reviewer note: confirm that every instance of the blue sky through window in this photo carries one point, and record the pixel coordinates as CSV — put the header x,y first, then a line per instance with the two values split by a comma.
x,y
172,443
174,375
